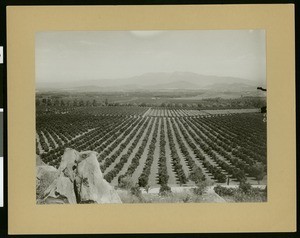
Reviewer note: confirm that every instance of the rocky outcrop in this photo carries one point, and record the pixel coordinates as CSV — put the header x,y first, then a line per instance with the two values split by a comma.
x,y
79,180
91,185
45,175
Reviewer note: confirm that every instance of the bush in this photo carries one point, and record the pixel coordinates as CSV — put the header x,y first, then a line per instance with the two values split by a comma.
x,y
258,171
201,186
245,187
164,190
244,193
254,195
125,182
196,175
222,191
135,190
143,181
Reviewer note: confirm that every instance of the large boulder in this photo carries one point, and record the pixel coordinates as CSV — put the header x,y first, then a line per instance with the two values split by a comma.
x,y
80,180
91,185
45,175
39,161
62,188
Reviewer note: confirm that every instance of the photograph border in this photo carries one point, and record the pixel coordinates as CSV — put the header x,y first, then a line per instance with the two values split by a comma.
x,y
278,214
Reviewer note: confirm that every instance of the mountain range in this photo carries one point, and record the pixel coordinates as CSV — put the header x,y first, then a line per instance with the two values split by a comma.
x,y
160,81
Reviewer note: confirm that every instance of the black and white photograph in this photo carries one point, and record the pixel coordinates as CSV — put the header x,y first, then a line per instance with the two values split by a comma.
x,y
152,116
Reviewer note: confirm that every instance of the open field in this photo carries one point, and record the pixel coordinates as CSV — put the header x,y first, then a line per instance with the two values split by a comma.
x,y
158,146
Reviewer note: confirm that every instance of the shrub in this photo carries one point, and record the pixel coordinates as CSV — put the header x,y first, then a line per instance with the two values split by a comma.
x,y
245,187
258,171
222,191
201,186
253,195
147,187
135,190
143,181
197,175
125,182
244,193
187,198
164,190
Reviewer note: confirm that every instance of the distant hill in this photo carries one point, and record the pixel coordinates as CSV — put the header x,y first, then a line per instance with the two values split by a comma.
x,y
157,81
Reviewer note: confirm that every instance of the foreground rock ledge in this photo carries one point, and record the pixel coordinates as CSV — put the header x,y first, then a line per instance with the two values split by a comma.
x,y
77,180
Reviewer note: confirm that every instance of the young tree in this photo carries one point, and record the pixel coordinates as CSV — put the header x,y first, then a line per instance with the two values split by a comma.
x,y
196,175
44,101
75,103
125,182
81,103
201,187
165,189
56,102
143,181
258,171
147,187
49,102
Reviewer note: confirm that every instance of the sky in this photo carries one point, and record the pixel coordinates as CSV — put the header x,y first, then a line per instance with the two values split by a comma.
x,y
68,56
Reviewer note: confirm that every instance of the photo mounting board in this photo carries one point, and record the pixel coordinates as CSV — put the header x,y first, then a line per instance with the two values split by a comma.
x,y
278,214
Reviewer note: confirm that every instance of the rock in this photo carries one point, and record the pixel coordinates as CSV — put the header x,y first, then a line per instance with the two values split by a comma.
x,y
60,191
39,161
62,188
80,180
92,187
45,175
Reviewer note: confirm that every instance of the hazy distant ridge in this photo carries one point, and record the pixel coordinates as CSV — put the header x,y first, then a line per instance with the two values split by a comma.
x,y
157,81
